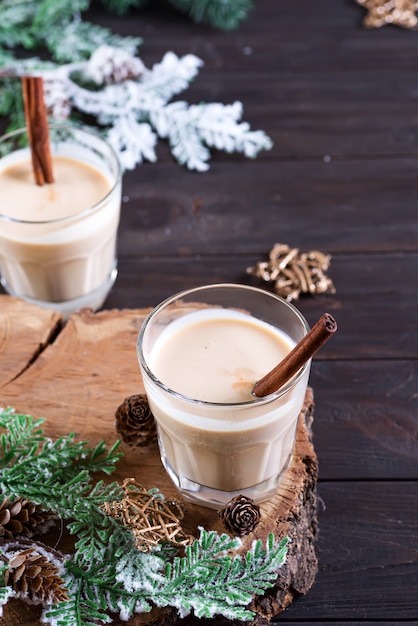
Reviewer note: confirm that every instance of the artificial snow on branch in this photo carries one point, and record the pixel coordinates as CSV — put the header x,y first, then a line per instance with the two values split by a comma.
x,y
107,573
131,106
223,14
58,27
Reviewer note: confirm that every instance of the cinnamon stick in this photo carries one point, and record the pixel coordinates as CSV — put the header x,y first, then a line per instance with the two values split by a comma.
x,y
324,328
37,126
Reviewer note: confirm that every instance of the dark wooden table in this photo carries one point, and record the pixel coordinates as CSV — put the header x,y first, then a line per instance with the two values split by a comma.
x,y
341,105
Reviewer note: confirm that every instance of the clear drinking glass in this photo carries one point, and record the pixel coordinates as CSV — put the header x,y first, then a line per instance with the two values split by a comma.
x,y
61,263
215,449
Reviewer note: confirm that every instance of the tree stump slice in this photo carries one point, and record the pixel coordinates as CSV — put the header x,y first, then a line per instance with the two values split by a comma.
x,y
75,375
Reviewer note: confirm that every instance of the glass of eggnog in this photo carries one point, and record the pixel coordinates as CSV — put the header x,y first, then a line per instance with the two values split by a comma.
x,y
200,353
58,240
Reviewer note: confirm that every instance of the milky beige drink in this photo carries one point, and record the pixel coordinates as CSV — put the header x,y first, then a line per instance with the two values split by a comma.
x,y
199,366
216,355
58,241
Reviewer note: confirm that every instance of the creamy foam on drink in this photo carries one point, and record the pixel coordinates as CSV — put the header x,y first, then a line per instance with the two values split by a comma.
x,y
226,439
217,356
55,247
77,186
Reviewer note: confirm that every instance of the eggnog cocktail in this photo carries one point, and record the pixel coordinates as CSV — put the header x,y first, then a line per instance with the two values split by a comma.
x,y
200,354
58,241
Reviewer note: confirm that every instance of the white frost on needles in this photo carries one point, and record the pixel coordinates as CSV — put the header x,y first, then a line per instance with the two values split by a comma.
x,y
133,104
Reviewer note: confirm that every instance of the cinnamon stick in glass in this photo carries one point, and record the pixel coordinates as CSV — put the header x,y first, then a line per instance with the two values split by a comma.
x,y
324,328
37,126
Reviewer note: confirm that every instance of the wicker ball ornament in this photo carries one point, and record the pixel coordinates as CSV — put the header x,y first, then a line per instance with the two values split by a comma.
x,y
293,273
241,515
397,12
135,422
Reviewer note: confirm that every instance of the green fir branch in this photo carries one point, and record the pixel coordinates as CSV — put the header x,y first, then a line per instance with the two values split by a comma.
x,y
122,7
212,578
23,435
92,72
102,585
5,594
11,105
222,14
99,536
56,26
77,611
107,573
16,23
80,39
54,474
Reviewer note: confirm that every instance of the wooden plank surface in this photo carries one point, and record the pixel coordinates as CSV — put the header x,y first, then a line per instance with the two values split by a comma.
x,y
78,381
35,330
368,547
341,105
247,208
375,303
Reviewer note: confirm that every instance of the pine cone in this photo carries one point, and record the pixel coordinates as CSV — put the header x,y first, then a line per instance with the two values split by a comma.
x,y
108,65
21,517
57,101
241,515
135,422
31,574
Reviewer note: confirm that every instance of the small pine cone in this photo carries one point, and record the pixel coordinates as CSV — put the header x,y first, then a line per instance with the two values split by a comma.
x,y
109,65
135,422
21,517
32,575
241,515
57,100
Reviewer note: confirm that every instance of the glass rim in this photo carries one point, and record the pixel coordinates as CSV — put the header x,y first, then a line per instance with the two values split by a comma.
x,y
91,209
258,401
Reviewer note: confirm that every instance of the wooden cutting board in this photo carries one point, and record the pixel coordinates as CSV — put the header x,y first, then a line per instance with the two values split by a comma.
x,y
76,373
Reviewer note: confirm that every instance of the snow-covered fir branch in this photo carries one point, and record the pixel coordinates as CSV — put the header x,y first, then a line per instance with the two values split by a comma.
x,y
132,106
106,573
